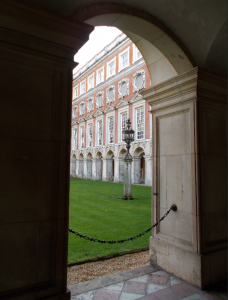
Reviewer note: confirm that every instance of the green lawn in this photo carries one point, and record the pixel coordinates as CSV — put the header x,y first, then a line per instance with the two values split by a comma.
x,y
96,211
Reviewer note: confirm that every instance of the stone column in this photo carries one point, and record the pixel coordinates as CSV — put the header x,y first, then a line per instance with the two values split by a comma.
x,y
37,57
85,168
77,168
148,170
190,170
136,173
104,169
94,176
116,170
127,178
109,170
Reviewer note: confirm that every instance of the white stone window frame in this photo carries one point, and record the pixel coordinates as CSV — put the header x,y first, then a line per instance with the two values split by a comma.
x,y
75,109
80,136
82,108
135,57
97,72
108,116
120,95
139,72
75,95
120,112
91,76
90,122
102,103
108,75
98,119
91,99
74,138
109,88
127,50
81,90
137,105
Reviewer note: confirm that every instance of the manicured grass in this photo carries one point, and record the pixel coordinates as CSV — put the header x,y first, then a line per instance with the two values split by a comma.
x,y
96,211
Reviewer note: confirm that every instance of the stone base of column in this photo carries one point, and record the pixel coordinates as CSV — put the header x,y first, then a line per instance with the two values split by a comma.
x,y
201,270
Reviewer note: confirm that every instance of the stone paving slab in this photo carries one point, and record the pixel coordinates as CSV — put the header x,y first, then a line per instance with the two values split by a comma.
x,y
145,283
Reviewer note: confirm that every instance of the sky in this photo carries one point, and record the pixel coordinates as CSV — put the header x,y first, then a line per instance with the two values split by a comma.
x,y
98,39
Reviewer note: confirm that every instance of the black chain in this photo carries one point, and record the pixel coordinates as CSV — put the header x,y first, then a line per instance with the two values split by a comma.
x,y
172,207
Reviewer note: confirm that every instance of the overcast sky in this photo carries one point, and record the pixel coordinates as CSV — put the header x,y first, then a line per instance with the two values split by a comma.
x,y
98,39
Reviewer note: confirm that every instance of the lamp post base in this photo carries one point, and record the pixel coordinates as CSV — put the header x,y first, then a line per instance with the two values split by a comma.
x,y
127,198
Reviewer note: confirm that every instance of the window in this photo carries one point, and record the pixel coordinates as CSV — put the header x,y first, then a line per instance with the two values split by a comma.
x,y
82,135
75,112
111,130
90,135
91,82
111,68
74,139
136,53
124,59
82,87
140,123
100,131
75,92
123,120
100,75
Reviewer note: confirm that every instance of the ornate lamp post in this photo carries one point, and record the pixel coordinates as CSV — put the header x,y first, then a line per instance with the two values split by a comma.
x,y
128,137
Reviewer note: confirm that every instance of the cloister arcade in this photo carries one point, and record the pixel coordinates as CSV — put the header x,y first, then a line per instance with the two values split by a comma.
x,y
107,164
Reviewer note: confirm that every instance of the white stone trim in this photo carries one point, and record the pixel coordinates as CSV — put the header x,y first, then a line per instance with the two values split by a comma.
x,y
100,118
92,75
137,105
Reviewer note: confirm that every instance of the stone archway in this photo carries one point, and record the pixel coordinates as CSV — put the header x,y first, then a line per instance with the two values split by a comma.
x,y
139,166
110,166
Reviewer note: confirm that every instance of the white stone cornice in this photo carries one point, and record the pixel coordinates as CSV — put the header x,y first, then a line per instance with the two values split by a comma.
x,y
194,85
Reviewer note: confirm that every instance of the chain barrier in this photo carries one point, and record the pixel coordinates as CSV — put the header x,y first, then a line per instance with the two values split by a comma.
x,y
172,207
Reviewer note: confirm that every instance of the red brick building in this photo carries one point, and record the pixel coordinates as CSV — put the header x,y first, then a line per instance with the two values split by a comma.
x,y
105,94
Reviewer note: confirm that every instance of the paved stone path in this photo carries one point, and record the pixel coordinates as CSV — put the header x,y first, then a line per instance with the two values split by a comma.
x,y
146,283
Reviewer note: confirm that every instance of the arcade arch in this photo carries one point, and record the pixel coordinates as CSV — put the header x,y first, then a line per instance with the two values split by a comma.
x,y
81,166
139,165
89,165
99,165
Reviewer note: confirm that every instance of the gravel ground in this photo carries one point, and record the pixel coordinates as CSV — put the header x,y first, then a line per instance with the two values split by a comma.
x,y
107,267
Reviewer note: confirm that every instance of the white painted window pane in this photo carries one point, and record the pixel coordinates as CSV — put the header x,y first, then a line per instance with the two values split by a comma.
x,y
112,69
123,122
90,135
125,60
100,133
140,122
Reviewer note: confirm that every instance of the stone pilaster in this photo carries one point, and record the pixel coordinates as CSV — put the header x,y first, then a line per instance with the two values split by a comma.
x,y
190,170
148,170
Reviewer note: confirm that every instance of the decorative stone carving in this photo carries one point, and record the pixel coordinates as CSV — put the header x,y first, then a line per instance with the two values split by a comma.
x,y
75,111
135,98
88,117
138,80
80,120
99,99
82,108
90,104
121,103
98,113
123,88
109,108
110,94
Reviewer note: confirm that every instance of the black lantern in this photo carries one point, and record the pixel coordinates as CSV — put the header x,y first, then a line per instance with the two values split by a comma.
x,y
128,135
